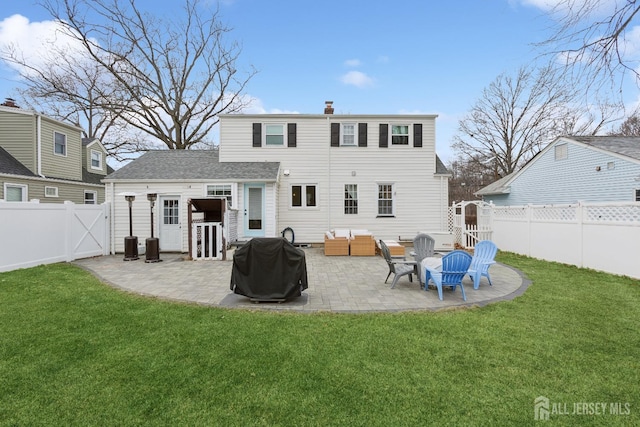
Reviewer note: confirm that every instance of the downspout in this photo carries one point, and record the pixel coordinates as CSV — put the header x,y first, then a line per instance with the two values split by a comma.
x,y
328,191
113,219
39,143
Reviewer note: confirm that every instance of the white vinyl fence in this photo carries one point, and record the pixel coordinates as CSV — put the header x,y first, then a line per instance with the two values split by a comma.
x,y
34,233
601,236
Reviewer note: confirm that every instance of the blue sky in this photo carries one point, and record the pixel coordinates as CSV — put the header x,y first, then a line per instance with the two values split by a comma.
x,y
374,57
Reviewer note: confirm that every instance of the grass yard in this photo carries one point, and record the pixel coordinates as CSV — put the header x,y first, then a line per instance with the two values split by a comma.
x,y
76,352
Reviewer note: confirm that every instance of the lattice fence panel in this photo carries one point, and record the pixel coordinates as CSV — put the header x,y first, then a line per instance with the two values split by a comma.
x,y
612,213
554,213
507,212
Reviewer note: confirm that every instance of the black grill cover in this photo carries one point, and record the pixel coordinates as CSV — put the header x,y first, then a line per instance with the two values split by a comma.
x,y
269,269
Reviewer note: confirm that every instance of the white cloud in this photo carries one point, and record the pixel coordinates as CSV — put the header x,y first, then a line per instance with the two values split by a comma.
x,y
37,42
383,59
352,63
357,79
255,106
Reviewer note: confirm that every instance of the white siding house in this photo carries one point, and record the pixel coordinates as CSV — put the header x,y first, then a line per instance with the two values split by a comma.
x,y
310,173
573,169
375,172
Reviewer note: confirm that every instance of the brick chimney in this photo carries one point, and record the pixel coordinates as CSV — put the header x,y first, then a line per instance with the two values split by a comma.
x,y
328,109
10,102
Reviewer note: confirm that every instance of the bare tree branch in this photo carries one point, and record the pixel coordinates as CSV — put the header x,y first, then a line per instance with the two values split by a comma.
x,y
596,44
517,116
166,79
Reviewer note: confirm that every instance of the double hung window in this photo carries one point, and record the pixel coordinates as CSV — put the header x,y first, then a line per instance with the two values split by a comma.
x,y
348,134
400,134
351,199
96,160
385,200
60,143
274,134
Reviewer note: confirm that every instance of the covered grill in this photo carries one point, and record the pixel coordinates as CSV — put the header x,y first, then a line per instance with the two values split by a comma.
x,y
269,269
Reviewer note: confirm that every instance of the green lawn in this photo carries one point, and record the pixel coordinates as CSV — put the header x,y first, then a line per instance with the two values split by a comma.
x,y
76,352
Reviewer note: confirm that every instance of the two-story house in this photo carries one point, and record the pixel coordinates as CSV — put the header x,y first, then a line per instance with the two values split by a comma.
x,y
46,159
307,172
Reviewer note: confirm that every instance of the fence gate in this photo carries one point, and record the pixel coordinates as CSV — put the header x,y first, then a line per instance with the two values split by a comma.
x,y
471,223
207,238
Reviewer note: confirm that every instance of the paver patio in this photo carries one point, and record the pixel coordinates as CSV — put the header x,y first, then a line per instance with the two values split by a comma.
x,y
336,284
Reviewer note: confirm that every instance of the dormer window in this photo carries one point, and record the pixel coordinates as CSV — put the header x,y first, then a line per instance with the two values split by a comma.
x,y
60,144
96,160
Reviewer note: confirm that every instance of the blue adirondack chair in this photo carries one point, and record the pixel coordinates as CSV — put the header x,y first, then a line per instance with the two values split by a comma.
x,y
455,265
483,258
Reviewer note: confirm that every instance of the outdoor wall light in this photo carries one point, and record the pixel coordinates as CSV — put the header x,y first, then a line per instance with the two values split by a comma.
x,y
286,172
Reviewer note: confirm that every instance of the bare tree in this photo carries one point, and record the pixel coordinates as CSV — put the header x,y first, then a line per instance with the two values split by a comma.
x,y
468,176
517,116
629,127
592,40
72,89
166,79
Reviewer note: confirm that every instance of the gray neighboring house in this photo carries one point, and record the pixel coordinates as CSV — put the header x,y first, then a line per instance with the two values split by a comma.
x,y
46,159
178,176
573,169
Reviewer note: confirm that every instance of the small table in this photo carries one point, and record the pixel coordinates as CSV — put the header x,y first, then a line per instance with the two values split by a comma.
x,y
431,262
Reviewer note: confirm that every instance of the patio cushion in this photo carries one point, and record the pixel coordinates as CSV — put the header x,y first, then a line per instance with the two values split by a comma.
x,y
341,232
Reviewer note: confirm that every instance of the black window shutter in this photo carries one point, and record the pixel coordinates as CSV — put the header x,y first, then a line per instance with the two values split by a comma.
x,y
362,134
335,134
257,134
417,135
384,136
291,135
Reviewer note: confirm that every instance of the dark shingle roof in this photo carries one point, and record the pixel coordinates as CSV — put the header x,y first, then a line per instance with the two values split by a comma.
x,y
193,165
626,145
9,164
441,169
497,187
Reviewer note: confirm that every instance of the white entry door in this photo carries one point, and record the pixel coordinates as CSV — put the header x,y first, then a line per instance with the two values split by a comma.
x,y
254,210
170,229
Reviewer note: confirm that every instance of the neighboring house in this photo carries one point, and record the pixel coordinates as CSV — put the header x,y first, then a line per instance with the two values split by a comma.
x,y
308,172
573,169
46,159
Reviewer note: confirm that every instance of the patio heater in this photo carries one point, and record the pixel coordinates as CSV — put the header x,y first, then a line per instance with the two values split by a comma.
x,y
152,251
131,241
